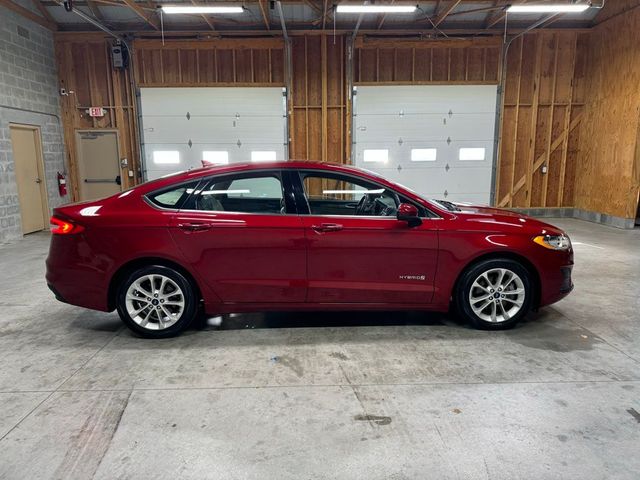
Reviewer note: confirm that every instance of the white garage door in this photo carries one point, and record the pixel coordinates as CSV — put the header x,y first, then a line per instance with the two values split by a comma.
x,y
436,140
183,126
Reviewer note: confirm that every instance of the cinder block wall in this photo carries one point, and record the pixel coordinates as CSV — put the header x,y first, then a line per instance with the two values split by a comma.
x,y
28,95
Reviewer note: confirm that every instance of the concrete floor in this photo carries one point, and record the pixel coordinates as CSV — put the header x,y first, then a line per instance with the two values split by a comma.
x,y
339,396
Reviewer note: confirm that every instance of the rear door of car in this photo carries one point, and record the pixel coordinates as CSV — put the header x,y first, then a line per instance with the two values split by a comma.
x,y
242,234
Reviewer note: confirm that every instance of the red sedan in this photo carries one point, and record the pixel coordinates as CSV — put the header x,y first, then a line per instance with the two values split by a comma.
x,y
299,235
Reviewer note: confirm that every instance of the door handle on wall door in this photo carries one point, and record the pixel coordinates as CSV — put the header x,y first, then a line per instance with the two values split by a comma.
x,y
327,227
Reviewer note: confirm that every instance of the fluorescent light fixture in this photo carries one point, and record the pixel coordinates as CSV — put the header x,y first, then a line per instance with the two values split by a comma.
x,y
213,156
166,157
201,9
266,156
424,154
376,8
552,8
376,156
472,154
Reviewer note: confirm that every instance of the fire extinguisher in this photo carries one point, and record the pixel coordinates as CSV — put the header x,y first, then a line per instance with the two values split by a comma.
x,y
62,184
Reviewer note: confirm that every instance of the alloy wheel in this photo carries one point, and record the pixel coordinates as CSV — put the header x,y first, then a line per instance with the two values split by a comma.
x,y
497,295
155,302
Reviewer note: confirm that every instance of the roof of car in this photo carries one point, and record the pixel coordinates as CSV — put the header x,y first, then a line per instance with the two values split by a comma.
x,y
245,166
277,164
197,173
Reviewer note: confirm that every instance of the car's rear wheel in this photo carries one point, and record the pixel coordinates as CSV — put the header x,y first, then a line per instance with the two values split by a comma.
x,y
494,294
156,302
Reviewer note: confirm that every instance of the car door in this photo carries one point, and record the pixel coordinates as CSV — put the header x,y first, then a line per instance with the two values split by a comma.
x,y
243,236
363,257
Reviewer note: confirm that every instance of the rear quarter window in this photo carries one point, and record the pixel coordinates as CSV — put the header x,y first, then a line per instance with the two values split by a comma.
x,y
172,197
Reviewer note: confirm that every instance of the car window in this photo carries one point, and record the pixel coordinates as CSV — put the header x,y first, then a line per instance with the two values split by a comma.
x,y
242,193
172,197
336,194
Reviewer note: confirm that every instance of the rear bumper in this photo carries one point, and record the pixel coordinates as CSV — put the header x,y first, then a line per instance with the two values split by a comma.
x,y
81,283
59,297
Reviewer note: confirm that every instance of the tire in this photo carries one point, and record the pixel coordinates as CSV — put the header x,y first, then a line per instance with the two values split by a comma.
x,y
494,294
160,309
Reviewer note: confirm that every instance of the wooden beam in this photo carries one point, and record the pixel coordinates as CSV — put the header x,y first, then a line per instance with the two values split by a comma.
x,y
265,17
515,133
313,6
26,13
567,123
95,10
324,97
450,8
384,16
327,14
204,17
481,42
138,10
324,13
261,32
43,10
207,44
497,15
546,158
534,118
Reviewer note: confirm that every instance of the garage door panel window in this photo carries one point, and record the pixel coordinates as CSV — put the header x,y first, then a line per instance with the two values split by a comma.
x,y
263,156
166,157
242,194
377,155
424,154
220,157
472,154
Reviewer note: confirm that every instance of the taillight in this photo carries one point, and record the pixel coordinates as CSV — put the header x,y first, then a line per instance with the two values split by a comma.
x,y
63,227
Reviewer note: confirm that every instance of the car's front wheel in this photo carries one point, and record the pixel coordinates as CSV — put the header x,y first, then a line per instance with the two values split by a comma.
x,y
156,302
494,294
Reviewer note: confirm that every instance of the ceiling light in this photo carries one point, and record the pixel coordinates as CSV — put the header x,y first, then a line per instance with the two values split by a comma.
x,y
548,8
201,9
376,8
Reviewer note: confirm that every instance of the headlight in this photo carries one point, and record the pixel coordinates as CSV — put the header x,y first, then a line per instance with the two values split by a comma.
x,y
553,242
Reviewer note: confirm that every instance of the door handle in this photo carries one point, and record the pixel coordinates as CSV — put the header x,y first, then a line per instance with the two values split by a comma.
x,y
327,227
194,227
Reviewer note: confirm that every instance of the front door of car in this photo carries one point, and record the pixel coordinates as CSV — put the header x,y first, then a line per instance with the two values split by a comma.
x,y
242,235
359,252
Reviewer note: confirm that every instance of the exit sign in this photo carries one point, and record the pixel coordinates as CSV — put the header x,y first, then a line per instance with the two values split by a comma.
x,y
96,112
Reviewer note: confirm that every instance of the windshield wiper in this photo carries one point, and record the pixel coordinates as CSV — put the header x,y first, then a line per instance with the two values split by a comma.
x,y
449,206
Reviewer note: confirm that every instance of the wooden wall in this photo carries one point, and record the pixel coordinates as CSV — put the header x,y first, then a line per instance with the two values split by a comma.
x,y
544,94
398,62
608,179
84,68
209,63
84,71
586,143
319,104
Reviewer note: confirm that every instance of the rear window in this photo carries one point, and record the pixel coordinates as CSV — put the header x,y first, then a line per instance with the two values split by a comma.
x,y
172,197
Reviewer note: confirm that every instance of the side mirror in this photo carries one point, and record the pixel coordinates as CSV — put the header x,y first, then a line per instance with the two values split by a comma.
x,y
409,214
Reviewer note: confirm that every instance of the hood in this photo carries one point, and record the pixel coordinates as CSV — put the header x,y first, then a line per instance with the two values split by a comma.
x,y
489,216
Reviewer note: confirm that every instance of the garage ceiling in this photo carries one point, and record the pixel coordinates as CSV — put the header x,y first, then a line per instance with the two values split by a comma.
x,y
431,18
